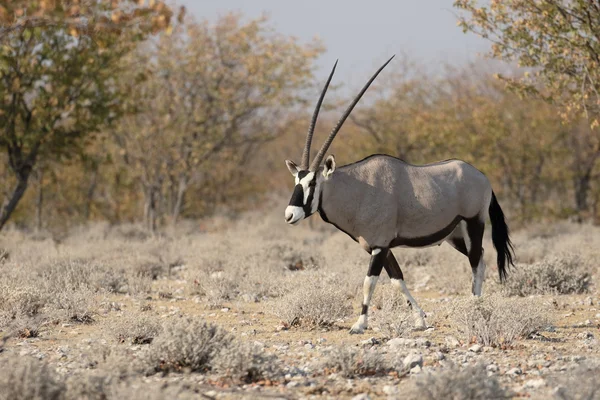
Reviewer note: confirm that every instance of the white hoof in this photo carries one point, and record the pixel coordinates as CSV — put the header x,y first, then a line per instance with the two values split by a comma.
x,y
357,330
420,321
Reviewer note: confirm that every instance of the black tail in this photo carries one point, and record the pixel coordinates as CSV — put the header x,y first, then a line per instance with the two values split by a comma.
x,y
500,238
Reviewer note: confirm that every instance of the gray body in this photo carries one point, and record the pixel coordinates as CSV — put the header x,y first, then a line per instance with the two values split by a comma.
x,y
383,202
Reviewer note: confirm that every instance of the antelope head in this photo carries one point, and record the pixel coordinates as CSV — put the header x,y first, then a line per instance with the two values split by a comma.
x,y
308,180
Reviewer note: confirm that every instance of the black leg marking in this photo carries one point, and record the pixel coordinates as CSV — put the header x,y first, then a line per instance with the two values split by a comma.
x,y
459,244
392,267
377,262
475,229
365,309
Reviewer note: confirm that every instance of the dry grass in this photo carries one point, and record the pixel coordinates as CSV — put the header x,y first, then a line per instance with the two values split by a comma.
x,y
564,274
25,378
314,302
471,383
185,345
242,362
389,312
263,272
137,329
495,320
583,384
352,362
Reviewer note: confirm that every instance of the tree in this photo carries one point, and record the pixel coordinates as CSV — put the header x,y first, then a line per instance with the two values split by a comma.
x,y
207,90
87,17
57,87
559,40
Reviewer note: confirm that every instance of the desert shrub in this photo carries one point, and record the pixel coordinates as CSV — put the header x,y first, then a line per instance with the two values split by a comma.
x,y
495,320
352,362
88,387
469,383
581,384
73,305
389,312
245,362
216,287
137,329
314,302
19,303
564,274
188,344
293,259
27,378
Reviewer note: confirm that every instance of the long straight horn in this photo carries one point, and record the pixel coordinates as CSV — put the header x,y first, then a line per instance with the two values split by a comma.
x,y
313,122
317,161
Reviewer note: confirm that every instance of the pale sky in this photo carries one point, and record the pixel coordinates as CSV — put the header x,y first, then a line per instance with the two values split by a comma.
x,y
362,33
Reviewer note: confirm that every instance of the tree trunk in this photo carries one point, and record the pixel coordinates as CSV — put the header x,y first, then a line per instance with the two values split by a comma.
x,y
39,201
582,188
150,207
10,203
181,190
90,194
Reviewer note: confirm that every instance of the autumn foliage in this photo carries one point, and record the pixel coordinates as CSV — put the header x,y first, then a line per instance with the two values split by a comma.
x,y
131,111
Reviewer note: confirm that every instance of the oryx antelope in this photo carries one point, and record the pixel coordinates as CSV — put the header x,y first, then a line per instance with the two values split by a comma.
x,y
383,202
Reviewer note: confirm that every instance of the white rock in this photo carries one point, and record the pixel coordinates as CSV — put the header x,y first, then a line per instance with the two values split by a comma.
x,y
451,341
514,371
534,383
416,370
475,348
362,396
412,360
492,368
390,390
371,341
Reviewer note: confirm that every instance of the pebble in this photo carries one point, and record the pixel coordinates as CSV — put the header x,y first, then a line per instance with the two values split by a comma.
x,y
514,371
451,341
439,356
475,348
371,341
534,383
585,335
416,370
492,368
390,390
362,396
412,360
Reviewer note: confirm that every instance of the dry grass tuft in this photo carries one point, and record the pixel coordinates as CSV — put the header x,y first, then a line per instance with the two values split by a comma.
x,y
245,362
29,379
390,314
564,274
353,362
18,303
137,329
471,383
582,384
188,344
495,320
314,302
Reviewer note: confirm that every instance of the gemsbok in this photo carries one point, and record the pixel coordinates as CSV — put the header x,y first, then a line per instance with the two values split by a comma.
x,y
383,202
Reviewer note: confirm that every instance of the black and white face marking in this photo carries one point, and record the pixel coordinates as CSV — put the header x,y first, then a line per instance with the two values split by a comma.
x,y
304,201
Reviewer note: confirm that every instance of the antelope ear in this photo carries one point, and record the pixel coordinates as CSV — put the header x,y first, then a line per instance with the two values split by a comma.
x,y
329,166
292,167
